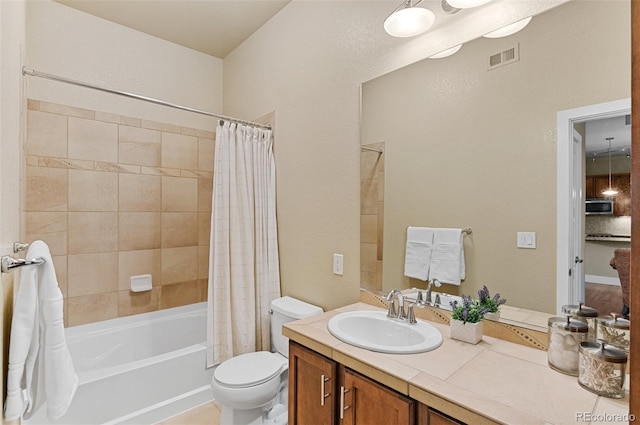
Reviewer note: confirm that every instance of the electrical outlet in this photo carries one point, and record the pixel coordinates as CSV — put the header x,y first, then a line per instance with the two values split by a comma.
x,y
338,264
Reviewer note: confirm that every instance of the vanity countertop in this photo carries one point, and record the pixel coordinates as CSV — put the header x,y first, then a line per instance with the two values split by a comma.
x,y
497,380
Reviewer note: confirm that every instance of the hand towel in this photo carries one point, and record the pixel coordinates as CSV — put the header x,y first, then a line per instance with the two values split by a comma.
x,y
23,344
40,365
447,259
417,258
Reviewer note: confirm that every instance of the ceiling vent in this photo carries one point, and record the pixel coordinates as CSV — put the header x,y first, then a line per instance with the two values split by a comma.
x,y
505,57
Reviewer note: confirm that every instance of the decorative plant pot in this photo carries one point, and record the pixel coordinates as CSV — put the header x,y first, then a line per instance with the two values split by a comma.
x,y
493,316
467,332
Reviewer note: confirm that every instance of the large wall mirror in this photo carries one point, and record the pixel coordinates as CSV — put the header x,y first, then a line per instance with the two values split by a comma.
x,y
456,143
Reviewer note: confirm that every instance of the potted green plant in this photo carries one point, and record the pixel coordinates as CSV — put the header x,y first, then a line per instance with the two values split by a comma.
x,y
466,320
491,303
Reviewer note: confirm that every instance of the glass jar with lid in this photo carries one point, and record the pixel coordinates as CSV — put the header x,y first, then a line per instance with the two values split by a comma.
x,y
602,369
585,314
615,331
564,336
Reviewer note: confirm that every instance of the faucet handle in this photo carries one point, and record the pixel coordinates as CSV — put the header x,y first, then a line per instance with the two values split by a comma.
x,y
392,309
401,313
411,316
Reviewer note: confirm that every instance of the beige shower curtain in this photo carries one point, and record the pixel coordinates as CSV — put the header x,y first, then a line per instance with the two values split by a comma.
x,y
244,274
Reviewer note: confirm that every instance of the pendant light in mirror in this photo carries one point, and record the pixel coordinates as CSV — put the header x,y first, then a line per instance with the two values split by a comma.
x,y
408,20
609,191
509,29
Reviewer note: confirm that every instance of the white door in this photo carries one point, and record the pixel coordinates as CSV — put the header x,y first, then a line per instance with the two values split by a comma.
x,y
569,270
576,246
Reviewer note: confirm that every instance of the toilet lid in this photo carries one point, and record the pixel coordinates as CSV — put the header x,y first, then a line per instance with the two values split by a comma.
x,y
248,369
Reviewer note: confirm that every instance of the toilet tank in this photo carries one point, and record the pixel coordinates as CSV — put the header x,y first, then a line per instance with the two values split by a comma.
x,y
285,310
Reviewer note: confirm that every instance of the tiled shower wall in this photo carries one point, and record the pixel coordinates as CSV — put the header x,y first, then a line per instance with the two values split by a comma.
x,y
116,196
371,216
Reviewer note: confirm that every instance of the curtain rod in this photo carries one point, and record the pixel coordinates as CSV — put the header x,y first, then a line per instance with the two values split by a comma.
x,y
34,73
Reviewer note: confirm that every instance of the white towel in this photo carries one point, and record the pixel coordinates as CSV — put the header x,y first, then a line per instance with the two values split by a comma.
x,y
40,365
447,259
418,250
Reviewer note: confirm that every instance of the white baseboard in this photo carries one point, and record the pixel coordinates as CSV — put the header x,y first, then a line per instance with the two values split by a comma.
x,y
605,280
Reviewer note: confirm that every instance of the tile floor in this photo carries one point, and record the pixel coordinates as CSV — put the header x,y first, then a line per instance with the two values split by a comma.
x,y
205,414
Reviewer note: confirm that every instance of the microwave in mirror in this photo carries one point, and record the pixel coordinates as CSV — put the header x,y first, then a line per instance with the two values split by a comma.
x,y
601,206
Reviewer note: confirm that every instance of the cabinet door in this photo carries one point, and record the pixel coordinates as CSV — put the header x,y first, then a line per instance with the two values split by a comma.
x,y
429,416
622,201
589,187
365,402
312,383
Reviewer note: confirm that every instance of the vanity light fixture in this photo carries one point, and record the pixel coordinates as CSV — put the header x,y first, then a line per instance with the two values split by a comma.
x,y
445,53
609,191
466,4
509,29
408,20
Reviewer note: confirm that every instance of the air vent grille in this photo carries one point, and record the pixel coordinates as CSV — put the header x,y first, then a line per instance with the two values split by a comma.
x,y
506,57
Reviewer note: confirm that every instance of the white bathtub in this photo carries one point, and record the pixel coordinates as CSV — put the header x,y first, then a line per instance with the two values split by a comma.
x,y
139,369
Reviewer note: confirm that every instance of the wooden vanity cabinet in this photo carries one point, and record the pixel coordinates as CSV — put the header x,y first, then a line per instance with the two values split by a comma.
x,y
322,391
312,387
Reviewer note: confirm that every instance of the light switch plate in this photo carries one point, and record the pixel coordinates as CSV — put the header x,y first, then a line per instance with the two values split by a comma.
x,y
526,240
338,264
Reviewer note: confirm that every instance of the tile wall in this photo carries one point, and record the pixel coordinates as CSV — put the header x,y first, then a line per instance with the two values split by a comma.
x,y
371,216
117,196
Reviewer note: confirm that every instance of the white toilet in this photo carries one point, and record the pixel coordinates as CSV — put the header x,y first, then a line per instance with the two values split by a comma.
x,y
252,388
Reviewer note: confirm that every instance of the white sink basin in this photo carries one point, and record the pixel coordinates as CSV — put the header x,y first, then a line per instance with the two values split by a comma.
x,y
373,330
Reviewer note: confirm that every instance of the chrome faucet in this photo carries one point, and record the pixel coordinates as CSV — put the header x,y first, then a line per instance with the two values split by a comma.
x,y
393,313
431,283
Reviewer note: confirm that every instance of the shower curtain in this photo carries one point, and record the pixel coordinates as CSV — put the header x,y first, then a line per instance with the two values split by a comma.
x,y
244,274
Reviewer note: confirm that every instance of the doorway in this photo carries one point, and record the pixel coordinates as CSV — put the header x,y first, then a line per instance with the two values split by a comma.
x,y
571,197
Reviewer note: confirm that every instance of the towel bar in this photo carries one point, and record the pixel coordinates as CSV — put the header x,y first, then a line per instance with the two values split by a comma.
x,y
10,263
466,230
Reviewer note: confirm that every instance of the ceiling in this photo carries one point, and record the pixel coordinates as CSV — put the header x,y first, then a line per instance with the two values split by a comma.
x,y
597,132
214,27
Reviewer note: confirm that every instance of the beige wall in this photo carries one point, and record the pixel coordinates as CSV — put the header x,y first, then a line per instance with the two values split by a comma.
x,y
307,64
75,45
619,164
116,196
471,147
12,38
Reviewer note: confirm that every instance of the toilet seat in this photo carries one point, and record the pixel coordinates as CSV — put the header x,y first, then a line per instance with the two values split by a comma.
x,y
248,370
